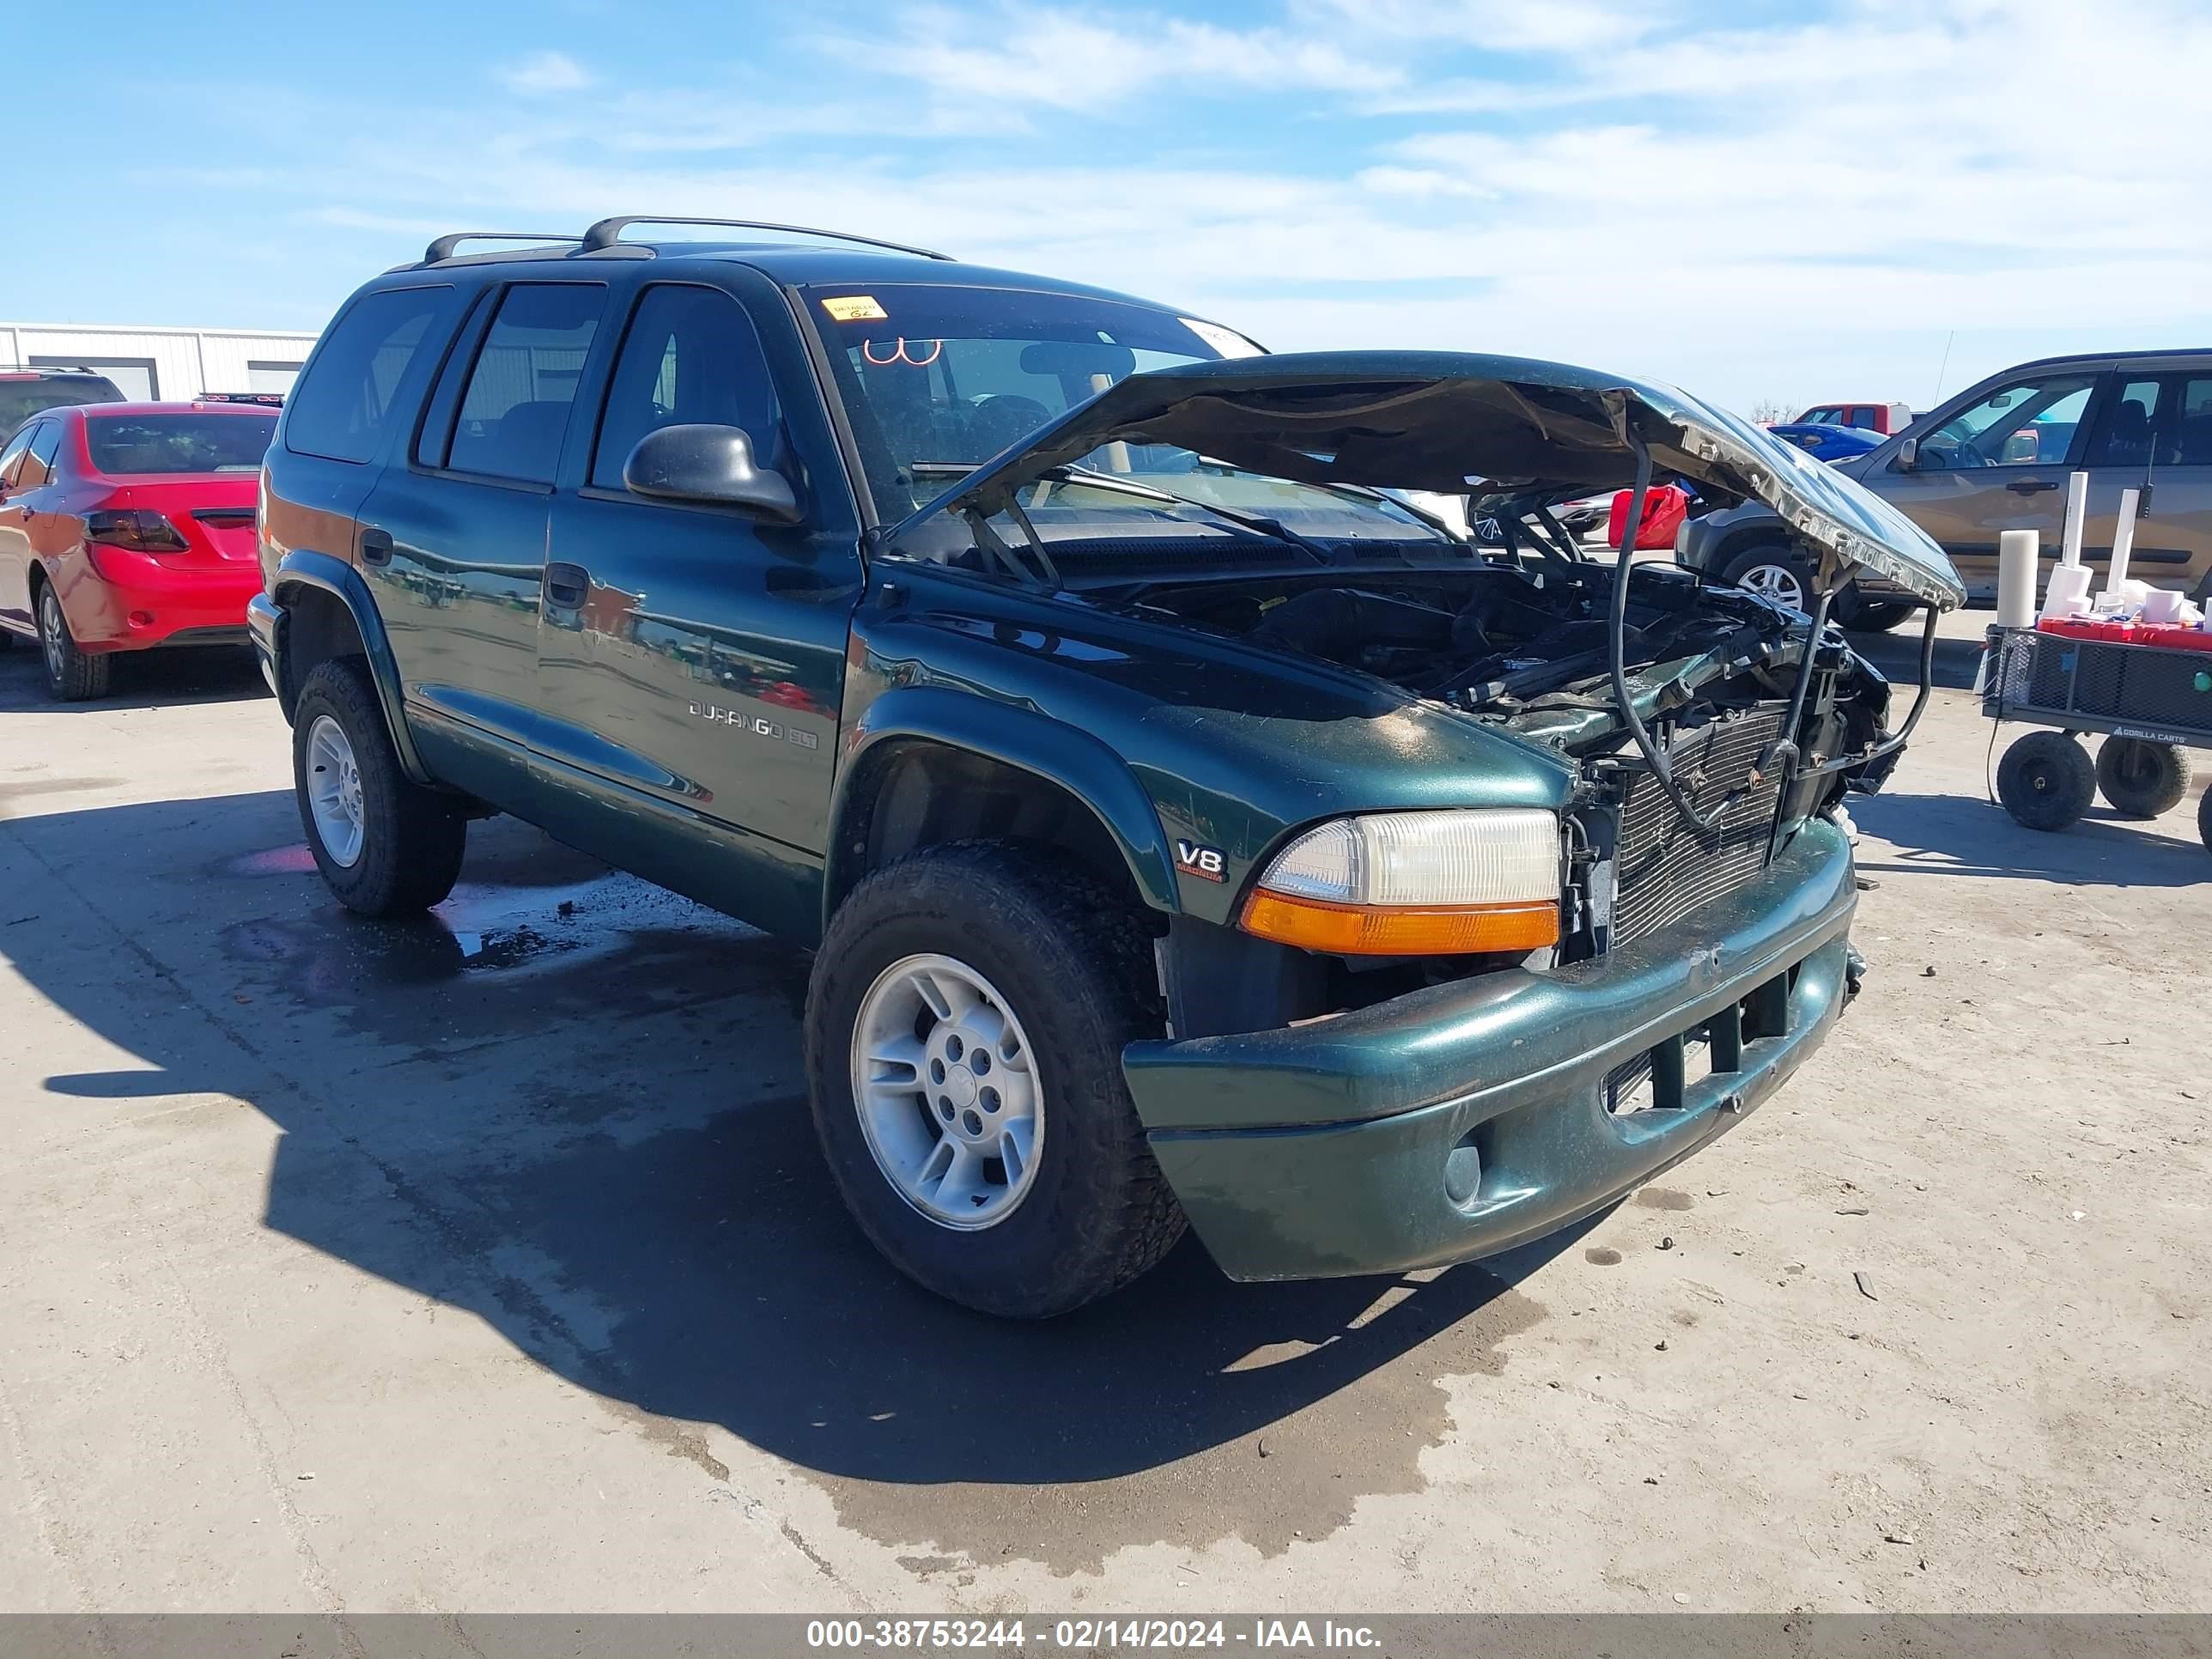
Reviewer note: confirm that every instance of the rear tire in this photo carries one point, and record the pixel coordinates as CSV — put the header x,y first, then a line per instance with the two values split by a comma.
x,y
2141,780
1068,968
405,852
2046,780
2204,820
72,675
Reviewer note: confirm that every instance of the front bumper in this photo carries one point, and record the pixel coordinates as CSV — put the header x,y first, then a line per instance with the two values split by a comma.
x,y
1463,1120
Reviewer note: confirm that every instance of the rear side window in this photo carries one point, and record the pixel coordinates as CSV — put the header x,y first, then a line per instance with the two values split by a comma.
x,y
691,357
38,462
2166,421
515,414
340,409
128,445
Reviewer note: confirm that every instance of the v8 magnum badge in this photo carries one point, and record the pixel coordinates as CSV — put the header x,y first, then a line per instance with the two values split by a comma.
x,y
1206,863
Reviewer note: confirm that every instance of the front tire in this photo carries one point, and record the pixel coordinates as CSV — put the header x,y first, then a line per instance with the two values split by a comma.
x,y
2141,780
2045,780
386,846
1863,615
1774,571
985,952
72,675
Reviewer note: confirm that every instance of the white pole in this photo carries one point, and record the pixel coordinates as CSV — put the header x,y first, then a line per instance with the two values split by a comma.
x,y
2019,553
2077,509
2123,541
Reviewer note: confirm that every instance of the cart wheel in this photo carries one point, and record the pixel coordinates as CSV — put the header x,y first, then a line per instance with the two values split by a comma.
x,y
2045,780
2140,778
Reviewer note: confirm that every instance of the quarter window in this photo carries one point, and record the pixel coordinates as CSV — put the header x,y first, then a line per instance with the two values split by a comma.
x,y
691,357
515,414
340,408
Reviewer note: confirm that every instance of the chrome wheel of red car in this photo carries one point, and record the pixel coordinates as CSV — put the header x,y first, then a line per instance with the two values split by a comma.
x,y
71,676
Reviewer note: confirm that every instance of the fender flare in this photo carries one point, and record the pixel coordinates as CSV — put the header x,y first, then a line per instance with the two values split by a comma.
x,y
304,567
1014,736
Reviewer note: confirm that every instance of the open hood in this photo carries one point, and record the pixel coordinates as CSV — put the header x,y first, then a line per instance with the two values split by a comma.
x,y
1458,423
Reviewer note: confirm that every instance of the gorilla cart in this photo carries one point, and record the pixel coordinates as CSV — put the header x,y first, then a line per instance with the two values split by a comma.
x,y
2148,690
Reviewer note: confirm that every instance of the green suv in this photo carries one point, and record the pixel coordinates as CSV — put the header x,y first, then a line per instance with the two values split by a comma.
x,y
1186,825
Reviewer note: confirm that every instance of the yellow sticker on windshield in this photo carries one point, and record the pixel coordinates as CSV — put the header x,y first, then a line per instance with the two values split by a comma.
x,y
855,309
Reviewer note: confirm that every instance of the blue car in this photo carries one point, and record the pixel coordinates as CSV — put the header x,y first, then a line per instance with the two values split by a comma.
x,y
1828,443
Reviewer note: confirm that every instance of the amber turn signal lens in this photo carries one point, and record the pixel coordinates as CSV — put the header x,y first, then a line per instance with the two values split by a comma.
x,y
1351,930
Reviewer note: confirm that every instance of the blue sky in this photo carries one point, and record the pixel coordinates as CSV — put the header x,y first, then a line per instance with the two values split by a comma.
x,y
1756,201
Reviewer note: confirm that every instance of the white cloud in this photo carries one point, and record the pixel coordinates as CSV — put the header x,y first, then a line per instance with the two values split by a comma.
x,y
544,72
1753,212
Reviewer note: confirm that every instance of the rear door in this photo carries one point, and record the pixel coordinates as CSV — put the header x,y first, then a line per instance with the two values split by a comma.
x,y
453,535
1996,460
2155,436
691,658
14,534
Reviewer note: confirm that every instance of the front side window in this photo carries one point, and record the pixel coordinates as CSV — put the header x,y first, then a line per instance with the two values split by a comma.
x,y
2028,423
689,358
1827,415
340,409
129,445
515,415
937,380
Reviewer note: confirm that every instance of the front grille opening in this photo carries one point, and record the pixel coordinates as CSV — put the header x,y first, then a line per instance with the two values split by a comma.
x,y
1666,868
1661,1077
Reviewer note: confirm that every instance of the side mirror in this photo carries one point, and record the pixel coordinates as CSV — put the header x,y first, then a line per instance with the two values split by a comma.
x,y
1908,456
710,463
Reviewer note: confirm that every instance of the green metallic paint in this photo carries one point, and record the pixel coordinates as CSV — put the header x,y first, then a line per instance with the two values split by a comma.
x,y
303,568
1233,745
1362,1112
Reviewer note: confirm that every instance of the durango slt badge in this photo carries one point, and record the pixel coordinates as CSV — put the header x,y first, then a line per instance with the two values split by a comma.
x,y
758,726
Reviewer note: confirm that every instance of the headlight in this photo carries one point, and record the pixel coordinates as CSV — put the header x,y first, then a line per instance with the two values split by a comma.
x,y
1415,884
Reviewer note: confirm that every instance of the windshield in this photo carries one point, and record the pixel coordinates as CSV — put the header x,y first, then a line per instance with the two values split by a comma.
x,y
130,445
937,379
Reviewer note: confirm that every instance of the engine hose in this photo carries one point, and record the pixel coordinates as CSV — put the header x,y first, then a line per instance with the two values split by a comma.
x,y
1616,649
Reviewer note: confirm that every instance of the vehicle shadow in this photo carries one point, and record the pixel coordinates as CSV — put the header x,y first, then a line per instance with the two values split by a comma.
x,y
624,1183
1960,835
137,679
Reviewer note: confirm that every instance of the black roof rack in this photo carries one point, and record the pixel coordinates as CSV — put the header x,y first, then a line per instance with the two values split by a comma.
x,y
608,233
444,246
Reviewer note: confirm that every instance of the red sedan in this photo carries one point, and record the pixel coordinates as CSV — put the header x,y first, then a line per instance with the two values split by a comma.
x,y
129,526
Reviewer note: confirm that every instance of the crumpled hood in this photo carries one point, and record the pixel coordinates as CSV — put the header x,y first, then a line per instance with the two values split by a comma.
x,y
1456,422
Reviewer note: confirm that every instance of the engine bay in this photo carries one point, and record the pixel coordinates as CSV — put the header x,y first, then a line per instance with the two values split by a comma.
x,y
1524,647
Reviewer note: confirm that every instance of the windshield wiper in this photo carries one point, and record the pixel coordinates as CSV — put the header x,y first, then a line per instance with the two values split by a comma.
x,y
1258,523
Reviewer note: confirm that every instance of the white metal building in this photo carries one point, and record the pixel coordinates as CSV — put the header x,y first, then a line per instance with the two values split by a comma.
x,y
160,362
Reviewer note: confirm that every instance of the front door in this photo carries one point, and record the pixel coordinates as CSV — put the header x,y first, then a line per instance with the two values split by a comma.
x,y
691,658
1997,462
452,539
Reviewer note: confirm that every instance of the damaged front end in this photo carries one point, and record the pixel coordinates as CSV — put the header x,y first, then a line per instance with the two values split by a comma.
x,y
1704,720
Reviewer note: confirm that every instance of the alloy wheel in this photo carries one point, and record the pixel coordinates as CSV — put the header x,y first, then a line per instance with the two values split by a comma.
x,y
947,1091
51,638
334,792
1777,582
